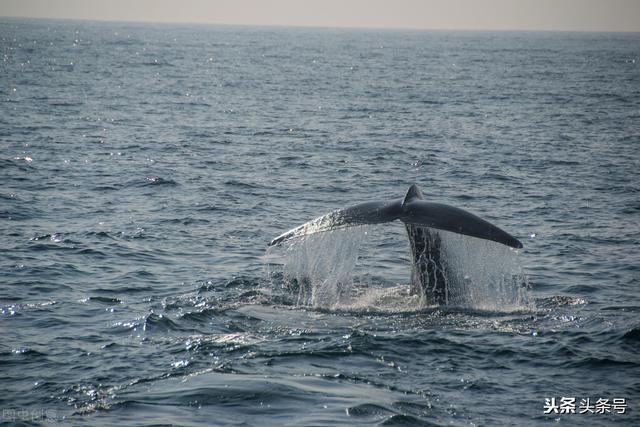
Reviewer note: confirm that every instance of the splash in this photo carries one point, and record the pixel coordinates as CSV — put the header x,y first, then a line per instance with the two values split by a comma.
x,y
368,268
318,269
484,275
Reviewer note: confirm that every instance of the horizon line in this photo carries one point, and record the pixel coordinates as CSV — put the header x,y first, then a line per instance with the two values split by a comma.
x,y
319,27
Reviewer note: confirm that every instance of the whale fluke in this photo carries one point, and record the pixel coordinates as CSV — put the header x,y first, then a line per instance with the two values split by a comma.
x,y
421,219
411,209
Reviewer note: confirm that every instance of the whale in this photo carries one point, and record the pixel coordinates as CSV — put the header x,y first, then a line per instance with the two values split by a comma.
x,y
422,220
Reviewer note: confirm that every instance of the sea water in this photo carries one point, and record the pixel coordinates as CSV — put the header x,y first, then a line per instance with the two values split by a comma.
x,y
144,168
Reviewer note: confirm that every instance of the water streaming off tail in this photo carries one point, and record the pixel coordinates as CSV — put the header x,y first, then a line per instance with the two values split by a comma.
x,y
484,275
368,268
318,269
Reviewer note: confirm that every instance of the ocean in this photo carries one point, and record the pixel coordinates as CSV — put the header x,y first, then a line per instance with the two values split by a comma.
x,y
144,168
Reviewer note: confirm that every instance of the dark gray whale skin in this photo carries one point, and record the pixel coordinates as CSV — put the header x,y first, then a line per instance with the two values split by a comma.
x,y
421,219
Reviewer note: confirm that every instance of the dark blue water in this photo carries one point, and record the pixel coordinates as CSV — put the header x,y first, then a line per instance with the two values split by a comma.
x,y
144,168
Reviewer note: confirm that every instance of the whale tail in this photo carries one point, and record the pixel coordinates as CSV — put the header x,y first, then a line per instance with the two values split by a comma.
x,y
412,209
421,219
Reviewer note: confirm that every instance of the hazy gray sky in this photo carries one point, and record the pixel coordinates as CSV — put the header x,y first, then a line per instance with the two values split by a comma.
x,y
580,15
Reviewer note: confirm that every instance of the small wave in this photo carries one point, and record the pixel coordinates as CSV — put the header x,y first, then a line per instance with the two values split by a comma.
x,y
210,208
407,420
368,410
101,188
127,288
241,281
105,300
241,184
581,289
159,323
66,104
632,207
49,246
201,316
21,163
45,237
136,274
27,352
632,335
156,63
562,162
91,252
497,177
137,233
559,301
92,407
186,221
157,180
99,234
600,362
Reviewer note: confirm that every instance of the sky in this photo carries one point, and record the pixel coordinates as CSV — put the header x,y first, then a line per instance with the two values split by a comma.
x,y
556,15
